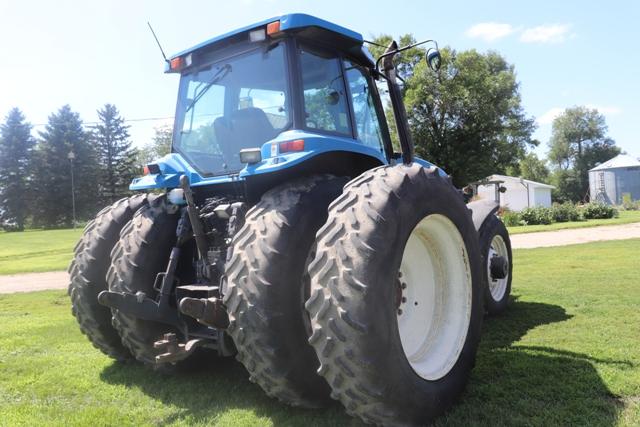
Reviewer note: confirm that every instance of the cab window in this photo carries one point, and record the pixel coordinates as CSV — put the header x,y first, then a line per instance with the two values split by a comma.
x,y
367,121
325,101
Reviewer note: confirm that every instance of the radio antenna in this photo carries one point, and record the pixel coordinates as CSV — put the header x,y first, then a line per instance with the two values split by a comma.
x,y
158,42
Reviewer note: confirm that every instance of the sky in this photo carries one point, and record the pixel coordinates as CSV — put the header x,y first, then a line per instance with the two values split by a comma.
x,y
87,53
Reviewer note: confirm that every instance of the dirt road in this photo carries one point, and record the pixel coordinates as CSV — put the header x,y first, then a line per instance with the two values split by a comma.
x,y
574,236
33,282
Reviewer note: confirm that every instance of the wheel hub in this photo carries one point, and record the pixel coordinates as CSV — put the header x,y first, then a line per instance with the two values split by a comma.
x,y
499,267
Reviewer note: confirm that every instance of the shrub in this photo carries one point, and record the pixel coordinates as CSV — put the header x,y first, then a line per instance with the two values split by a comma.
x,y
511,219
597,210
536,215
628,204
565,212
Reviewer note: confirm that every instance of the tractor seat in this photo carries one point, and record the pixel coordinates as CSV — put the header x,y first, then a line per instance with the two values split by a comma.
x,y
245,128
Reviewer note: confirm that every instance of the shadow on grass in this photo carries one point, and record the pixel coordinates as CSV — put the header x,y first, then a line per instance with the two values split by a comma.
x,y
203,393
533,385
511,384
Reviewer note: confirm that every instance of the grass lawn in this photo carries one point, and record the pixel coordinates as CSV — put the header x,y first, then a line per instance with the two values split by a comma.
x,y
565,353
37,250
626,217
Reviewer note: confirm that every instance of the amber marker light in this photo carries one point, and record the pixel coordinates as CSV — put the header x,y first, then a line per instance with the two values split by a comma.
x,y
273,28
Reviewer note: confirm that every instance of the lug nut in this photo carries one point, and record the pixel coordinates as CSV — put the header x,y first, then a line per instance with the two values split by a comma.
x,y
399,312
403,285
404,299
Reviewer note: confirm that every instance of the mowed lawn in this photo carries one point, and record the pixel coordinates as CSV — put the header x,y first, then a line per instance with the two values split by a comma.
x,y
37,250
624,217
567,352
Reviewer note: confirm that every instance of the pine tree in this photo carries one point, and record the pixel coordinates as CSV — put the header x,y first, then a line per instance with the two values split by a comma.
x,y
16,151
116,156
65,147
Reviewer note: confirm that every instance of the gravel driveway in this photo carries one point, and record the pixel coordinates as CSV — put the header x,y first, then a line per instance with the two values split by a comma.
x,y
33,282
577,235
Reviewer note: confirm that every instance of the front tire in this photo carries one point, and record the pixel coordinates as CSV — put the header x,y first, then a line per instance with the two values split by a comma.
x,y
495,241
88,270
396,296
265,294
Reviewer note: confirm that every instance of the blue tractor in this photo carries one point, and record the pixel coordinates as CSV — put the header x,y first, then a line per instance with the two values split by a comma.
x,y
285,229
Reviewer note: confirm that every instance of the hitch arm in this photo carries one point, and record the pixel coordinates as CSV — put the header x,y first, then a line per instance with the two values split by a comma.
x,y
194,218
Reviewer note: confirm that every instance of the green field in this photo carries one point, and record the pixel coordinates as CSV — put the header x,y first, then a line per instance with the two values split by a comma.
x,y
565,353
37,250
625,217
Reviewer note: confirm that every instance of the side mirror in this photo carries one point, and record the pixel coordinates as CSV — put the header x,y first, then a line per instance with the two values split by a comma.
x,y
333,98
433,59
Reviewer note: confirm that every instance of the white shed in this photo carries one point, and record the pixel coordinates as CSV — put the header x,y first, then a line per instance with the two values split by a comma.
x,y
521,193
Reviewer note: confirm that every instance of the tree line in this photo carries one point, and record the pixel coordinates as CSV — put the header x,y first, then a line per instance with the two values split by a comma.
x,y
36,173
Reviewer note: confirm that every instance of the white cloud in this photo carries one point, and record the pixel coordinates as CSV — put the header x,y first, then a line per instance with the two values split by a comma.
x,y
554,33
549,116
489,31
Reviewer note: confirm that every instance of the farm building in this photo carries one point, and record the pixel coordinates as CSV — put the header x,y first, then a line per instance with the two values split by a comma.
x,y
610,181
520,193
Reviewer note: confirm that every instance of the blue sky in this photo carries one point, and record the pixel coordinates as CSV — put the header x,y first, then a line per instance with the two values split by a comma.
x,y
87,53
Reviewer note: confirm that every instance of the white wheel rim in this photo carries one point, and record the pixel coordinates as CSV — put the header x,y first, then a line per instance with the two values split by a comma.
x,y
435,309
497,287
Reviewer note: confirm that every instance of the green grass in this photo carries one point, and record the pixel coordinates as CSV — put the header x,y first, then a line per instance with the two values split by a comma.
x,y
626,217
565,353
37,250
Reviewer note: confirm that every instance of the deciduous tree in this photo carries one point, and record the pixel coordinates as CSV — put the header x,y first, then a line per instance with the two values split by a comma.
x,y
578,143
466,118
158,147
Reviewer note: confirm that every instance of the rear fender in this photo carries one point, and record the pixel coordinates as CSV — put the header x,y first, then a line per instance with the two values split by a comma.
x,y
481,210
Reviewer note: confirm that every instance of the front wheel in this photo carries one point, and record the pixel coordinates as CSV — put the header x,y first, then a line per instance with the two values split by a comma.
x,y
396,296
495,247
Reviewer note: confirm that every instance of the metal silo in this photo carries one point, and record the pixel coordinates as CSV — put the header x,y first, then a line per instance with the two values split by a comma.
x,y
610,181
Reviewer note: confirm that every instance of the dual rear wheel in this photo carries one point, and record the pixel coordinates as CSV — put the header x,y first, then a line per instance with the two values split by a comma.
x,y
394,287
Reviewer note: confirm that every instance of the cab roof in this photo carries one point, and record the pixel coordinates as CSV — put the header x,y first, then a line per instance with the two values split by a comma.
x,y
304,26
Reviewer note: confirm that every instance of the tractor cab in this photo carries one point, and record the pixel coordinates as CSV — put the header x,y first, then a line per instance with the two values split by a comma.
x,y
293,91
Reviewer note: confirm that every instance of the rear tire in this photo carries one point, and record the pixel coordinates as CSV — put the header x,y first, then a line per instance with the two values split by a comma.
x,y
264,295
391,220
141,253
494,239
88,270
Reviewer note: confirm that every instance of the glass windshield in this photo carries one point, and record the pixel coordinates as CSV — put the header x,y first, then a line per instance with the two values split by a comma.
x,y
241,102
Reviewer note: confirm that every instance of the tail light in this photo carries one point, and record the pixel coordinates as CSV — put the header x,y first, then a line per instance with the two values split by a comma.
x,y
295,145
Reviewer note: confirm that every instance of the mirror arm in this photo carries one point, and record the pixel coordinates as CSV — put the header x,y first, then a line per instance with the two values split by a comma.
x,y
402,49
